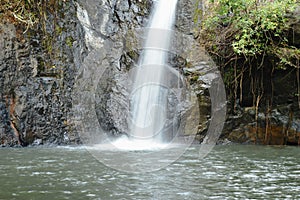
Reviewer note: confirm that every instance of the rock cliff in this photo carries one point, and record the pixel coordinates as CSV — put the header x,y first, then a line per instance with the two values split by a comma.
x,y
63,80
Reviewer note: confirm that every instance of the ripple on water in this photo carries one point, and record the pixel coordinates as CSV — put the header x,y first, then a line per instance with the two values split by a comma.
x,y
228,172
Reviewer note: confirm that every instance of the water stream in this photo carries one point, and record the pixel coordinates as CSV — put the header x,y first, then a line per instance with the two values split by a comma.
x,y
149,96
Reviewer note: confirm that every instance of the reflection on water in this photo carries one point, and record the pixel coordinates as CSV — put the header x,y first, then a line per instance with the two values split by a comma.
x,y
228,172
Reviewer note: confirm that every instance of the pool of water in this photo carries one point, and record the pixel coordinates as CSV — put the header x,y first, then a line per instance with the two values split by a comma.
x,y
227,172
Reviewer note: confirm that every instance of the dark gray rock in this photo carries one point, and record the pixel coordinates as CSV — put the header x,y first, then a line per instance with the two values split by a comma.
x,y
72,79
119,44
37,75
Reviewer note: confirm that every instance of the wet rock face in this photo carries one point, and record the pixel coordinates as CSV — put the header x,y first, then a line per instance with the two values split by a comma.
x,y
110,32
121,52
117,27
184,18
107,25
280,126
6,43
37,71
80,61
76,70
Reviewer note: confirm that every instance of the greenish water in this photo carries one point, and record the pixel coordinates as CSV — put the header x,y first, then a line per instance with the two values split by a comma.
x,y
228,172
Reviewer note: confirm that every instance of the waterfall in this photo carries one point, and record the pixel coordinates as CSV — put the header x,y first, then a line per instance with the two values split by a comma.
x,y
149,96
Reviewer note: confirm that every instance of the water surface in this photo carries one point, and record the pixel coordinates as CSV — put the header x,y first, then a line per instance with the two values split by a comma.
x,y
228,172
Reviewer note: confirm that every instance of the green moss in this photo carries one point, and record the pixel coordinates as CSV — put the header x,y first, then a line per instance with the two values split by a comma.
x,y
48,43
69,41
58,30
194,79
197,12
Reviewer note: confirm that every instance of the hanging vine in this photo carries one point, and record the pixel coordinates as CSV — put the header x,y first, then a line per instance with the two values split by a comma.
x,y
243,35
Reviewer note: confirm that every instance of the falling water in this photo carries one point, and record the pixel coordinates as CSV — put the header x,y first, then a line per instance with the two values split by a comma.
x,y
149,95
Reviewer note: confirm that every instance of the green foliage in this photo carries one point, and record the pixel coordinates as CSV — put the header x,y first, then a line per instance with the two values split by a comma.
x,y
288,56
249,40
252,27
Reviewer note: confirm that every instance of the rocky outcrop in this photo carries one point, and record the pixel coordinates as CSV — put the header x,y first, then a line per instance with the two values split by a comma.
x,y
275,120
274,124
64,81
42,70
37,72
278,127
103,82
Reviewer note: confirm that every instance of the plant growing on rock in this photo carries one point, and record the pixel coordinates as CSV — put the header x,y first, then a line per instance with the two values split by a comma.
x,y
250,36
21,12
28,12
252,41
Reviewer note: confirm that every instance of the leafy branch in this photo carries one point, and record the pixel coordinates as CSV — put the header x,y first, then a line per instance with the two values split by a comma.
x,y
249,36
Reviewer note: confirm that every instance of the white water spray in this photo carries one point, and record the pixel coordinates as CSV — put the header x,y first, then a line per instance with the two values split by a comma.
x,y
149,96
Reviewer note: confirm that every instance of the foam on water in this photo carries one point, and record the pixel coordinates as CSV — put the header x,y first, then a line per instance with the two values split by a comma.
x,y
127,144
